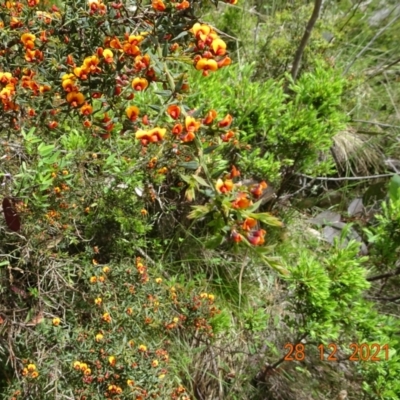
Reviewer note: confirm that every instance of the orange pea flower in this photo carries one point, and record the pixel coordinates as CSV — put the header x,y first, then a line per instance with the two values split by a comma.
x,y
108,56
140,84
257,190
153,135
201,30
75,99
177,129
43,37
242,201
69,85
158,5
188,137
33,55
236,237
226,121
224,186
15,23
156,134
28,40
191,124
206,65
70,60
142,62
90,64
183,5
44,88
135,39
81,73
211,115
249,224
228,136
234,173
114,43
131,49
132,112
219,47
5,77
86,109
174,111
112,360
52,124
224,62
256,238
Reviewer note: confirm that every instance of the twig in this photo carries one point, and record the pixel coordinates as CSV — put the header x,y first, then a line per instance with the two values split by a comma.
x,y
384,298
304,40
245,262
288,196
350,178
376,123
386,275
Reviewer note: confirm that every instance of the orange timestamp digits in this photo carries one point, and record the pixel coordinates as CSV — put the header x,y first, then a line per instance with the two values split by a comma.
x,y
296,352
360,352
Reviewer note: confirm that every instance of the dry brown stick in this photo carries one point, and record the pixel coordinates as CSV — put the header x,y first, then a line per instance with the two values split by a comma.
x,y
304,40
386,275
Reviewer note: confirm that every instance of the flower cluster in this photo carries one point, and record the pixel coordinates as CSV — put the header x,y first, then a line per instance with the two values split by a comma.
x,y
30,371
210,49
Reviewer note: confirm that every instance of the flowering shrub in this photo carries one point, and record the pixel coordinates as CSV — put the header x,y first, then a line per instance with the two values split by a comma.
x,y
99,81
119,341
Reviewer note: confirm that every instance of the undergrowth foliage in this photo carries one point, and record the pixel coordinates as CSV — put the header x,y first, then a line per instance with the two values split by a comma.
x,y
138,169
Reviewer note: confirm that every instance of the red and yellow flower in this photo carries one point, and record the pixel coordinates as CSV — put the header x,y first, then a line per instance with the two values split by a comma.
x,y
242,201
256,238
224,186
75,99
174,111
206,65
150,136
132,112
226,121
158,5
140,84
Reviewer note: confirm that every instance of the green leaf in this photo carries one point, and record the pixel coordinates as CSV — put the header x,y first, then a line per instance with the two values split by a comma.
x,y
199,212
45,150
186,178
182,34
200,180
154,107
394,187
210,149
254,206
266,218
189,165
164,93
214,242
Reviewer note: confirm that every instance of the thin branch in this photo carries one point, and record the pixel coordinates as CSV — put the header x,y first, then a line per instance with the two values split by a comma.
x,y
376,123
394,298
304,40
386,275
350,178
